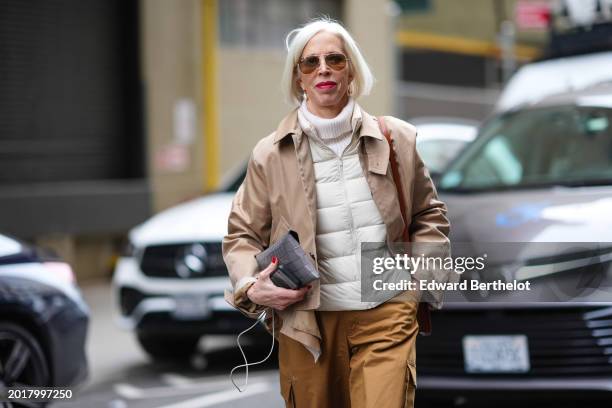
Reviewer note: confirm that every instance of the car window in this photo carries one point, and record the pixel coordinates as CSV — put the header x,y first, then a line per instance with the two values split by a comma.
x,y
436,154
562,145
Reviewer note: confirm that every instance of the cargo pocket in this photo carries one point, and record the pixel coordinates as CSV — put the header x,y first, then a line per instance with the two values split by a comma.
x,y
287,392
411,384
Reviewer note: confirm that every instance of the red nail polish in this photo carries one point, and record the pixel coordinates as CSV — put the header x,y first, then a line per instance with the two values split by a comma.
x,y
274,260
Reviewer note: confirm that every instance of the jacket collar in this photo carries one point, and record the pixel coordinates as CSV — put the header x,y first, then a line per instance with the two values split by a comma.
x,y
369,126
376,146
290,125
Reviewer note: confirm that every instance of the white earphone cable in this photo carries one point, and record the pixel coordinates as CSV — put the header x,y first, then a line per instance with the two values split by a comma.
x,y
261,318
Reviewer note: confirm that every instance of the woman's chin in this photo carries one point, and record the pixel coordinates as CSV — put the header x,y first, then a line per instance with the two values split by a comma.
x,y
328,103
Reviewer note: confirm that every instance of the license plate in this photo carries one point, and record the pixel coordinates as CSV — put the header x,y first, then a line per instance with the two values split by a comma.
x,y
191,307
496,354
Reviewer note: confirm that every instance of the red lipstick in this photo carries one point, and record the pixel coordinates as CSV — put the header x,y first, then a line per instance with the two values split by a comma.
x,y
326,85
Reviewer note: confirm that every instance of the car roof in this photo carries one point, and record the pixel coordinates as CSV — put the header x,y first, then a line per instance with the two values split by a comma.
x,y
537,80
599,95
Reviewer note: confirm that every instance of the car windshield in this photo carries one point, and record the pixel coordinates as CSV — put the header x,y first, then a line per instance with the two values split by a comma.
x,y
437,153
569,146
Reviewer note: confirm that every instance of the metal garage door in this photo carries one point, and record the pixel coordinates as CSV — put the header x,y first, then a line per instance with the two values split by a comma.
x,y
69,91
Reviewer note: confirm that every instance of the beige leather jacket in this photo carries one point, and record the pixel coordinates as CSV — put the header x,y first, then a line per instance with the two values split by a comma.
x,y
278,195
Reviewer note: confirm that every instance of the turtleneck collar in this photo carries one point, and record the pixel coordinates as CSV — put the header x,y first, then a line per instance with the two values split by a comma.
x,y
328,129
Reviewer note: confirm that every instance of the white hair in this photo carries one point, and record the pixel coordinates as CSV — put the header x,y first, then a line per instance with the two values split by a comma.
x,y
296,40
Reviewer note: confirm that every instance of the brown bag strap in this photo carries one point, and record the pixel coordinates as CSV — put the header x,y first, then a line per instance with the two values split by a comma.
x,y
423,313
396,176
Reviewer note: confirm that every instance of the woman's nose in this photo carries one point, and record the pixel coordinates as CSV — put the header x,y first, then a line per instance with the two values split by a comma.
x,y
323,68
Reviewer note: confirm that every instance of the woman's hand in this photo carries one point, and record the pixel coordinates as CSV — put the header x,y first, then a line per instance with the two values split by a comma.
x,y
264,292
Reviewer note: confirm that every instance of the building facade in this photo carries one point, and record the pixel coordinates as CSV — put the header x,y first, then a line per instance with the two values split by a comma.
x,y
113,110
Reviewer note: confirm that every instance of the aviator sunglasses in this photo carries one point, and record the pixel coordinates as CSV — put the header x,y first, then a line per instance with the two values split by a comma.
x,y
335,61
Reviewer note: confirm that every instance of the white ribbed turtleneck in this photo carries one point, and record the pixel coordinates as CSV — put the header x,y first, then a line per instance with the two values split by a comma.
x,y
335,132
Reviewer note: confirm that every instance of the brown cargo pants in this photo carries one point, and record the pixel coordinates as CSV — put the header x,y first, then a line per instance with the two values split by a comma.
x,y
367,360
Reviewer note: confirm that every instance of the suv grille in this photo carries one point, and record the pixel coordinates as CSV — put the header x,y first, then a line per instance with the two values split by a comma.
x,y
562,341
191,260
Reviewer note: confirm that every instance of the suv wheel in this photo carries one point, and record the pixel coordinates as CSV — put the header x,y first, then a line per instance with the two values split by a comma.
x,y
22,360
164,347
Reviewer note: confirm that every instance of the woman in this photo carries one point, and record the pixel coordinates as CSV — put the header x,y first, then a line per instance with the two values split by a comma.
x,y
324,173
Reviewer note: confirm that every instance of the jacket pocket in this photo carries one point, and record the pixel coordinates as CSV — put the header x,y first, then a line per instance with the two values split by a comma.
x,y
411,384
287,392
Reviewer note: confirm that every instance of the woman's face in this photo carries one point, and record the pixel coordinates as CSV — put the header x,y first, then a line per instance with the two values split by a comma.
x,y
326,88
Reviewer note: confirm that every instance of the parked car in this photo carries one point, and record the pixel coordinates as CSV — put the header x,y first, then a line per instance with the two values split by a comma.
x,y
538,174
43,319
440,139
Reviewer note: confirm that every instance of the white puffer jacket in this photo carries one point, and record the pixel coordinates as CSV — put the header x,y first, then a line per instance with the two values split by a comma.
x,y
346,216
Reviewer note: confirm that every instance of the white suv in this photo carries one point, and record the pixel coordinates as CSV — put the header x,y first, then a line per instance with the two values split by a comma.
x,y
169,284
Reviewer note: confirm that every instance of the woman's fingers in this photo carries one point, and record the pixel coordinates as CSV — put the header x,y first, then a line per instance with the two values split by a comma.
x,y
280,298
269,269
287,297
292,293
265,292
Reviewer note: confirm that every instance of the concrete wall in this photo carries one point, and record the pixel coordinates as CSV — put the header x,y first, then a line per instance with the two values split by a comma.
x,y
171,72
372,25
250,100
474,19
468,18
90,256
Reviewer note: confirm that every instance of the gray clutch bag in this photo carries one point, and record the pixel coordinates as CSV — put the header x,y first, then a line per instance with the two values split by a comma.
x,y
295,268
